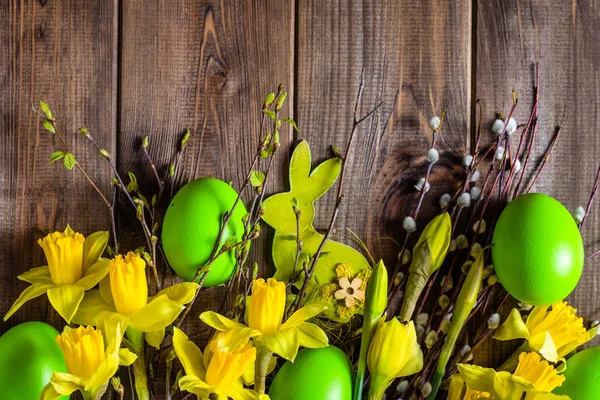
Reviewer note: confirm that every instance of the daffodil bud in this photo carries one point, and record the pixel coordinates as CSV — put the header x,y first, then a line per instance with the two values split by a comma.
x,y
394,353
428,256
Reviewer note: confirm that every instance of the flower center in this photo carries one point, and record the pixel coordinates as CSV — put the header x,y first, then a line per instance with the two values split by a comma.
x,y
350,290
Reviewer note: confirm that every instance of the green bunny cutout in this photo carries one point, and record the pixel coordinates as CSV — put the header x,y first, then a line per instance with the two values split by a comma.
x,y
341,272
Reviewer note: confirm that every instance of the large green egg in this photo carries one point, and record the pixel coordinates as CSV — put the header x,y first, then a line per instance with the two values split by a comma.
x,y
315,374
582,376
192,224
28,357
538,251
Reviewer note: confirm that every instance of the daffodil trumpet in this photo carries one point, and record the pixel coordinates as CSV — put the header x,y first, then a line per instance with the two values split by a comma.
x,y
552,331
465,303
265,313
428,255
92,357
74,266
375,304
533,379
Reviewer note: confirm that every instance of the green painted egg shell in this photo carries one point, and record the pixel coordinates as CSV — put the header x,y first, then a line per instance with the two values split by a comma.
x,y
538,251
582,376
192,224
315,374
28,357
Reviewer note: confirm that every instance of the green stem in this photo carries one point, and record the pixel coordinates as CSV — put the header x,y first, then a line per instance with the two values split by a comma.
x,y
136,339
261,367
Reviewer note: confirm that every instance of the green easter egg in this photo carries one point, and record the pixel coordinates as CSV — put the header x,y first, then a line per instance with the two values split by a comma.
x,y
192,224
538,250
315,374
28,357
582,376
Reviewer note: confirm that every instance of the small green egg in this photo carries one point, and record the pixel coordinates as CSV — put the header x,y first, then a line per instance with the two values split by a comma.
x,y
192,224
315,374
538,250
29,355
582,376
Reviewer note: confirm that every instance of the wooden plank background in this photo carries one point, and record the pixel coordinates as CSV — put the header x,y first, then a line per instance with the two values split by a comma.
x,y
130,68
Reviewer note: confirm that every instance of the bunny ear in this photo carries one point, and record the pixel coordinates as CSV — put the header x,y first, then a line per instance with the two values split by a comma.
x,y
300,165
322,178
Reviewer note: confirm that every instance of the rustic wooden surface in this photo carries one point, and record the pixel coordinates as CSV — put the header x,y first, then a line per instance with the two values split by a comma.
x,y
126,69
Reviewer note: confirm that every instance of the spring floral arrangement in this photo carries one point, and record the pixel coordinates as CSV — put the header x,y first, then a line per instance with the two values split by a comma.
x,y
332,323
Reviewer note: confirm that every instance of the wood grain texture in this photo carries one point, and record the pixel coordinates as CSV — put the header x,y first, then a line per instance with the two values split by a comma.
x,y
206,66
421,49
63,52
562,37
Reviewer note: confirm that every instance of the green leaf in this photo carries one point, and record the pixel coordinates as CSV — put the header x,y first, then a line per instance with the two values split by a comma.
x,y
291,122
269,100
281,100
185,139
172,169
57,155
132,185
270,114
69,161
145,142
267,152
257,178
49,127
46,111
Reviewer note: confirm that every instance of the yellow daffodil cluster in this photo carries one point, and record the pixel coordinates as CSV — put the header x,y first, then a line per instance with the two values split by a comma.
x,y
74,266
534,379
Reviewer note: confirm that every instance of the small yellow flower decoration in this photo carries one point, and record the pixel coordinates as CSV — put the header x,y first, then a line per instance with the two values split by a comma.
x,y
533,377
74,266
553,331
266,308
125,293
214,372
92,357
350,292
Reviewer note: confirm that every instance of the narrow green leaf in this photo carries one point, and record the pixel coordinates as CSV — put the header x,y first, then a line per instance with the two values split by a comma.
x,y
185,139
46,111
269,100
172,169
281,100
257,178
270,114
49,127
291,122
132,176
145,142
57,155
69,161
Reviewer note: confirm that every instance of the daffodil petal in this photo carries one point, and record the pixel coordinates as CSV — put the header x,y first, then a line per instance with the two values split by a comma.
x,y
155,338
189,354
93,247
105,371
303,314
512,328
414,363
311,336
239,393
478,378
90,307
236,338
65,299
182,293
94,275
66,384
284,343
158,314
547,348
219,322
126,357
49,393
36,275
31,292
105,292
195,386
456,388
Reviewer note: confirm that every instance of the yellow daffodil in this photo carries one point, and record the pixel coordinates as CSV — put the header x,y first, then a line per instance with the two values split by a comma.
x,y
214,372
394,353
92,357
74,266
265,323
553,331
125,293
534,378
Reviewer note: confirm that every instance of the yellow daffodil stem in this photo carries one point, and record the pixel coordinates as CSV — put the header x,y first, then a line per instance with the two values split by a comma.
x,y
136,340
510,365
261,368
465,303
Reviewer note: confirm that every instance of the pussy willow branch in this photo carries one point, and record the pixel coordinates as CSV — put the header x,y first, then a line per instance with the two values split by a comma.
x,y
108,204
340,193
546,158
592,197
